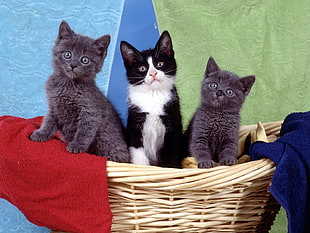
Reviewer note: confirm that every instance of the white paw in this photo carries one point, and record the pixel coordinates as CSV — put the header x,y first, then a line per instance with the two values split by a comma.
x,y
138,156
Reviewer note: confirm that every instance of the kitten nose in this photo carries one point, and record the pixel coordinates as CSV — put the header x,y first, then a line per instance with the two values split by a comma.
x,y
219,93
153,73
73,66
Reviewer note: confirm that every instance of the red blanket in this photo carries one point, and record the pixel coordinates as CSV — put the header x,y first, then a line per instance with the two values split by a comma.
x,y
51,186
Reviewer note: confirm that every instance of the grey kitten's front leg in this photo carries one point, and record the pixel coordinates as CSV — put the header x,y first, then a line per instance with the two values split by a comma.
x,y
81,142
86,131
228,155
46,131
201,152
204,160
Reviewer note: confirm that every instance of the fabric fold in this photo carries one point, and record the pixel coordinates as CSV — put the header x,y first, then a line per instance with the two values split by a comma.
x,y
52,187
291,180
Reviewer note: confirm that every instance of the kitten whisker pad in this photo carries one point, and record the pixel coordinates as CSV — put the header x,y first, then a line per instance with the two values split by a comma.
x,y
139,82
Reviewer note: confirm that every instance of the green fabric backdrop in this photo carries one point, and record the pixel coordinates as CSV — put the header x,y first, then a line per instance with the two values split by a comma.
x,y
268,38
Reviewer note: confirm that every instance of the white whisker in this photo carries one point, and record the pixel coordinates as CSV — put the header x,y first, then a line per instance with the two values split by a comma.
x,y
137,83
171,70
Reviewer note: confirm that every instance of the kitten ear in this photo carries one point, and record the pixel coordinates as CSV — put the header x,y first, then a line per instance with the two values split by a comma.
x,y
211,67
247,83
65,31
164,45
129,53
102,44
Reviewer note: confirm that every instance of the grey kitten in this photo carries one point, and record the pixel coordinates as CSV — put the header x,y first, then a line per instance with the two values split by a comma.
x,y
212,134
85,118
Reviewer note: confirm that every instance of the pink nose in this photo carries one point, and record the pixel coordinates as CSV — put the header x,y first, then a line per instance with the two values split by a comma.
x,y
153,73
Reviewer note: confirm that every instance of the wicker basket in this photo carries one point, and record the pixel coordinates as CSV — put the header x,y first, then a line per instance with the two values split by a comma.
x,y
220,199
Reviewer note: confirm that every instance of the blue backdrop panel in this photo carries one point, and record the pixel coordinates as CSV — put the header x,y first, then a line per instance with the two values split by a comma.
x,y
28,32
139,28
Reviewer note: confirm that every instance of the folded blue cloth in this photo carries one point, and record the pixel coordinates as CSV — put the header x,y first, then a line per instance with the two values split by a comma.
x,y
291,180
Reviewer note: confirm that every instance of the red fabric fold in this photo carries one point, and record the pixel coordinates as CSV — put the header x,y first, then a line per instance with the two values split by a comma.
x,y
52,187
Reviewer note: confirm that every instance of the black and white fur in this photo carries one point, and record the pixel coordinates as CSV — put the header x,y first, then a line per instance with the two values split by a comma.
x,y
154,127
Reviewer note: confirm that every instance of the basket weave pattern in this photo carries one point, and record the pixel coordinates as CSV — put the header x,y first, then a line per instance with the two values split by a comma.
x,y
220,199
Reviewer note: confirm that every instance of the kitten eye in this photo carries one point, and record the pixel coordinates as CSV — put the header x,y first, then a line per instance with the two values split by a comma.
x,y
67,54
85,60
230,92
142,68
160,64
213,85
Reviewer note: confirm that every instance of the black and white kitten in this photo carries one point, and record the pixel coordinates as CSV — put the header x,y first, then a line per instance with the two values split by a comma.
x,y
77,108
154,126
212,134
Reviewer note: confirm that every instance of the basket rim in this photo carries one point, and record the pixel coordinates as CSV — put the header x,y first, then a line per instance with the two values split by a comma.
x,y
219,177
156,177
114,168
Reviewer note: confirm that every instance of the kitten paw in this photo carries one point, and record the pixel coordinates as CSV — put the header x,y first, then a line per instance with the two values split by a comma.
x,y
231,160
37,136
75,148
207,164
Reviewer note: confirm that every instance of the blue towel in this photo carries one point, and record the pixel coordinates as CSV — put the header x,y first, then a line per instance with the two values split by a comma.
x,y
291,180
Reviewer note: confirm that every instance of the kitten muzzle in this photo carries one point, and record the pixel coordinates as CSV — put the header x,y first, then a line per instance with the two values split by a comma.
x,y
150,80
71,74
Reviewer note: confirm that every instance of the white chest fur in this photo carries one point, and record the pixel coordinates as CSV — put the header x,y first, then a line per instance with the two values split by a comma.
x,y
151,97
151,102
153,132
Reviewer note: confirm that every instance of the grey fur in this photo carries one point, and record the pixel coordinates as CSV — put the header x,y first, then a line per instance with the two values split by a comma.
x,y
87,121
213,131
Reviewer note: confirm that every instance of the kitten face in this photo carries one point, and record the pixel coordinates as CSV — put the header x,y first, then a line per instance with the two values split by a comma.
x,y
151,68
224,90
77,56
